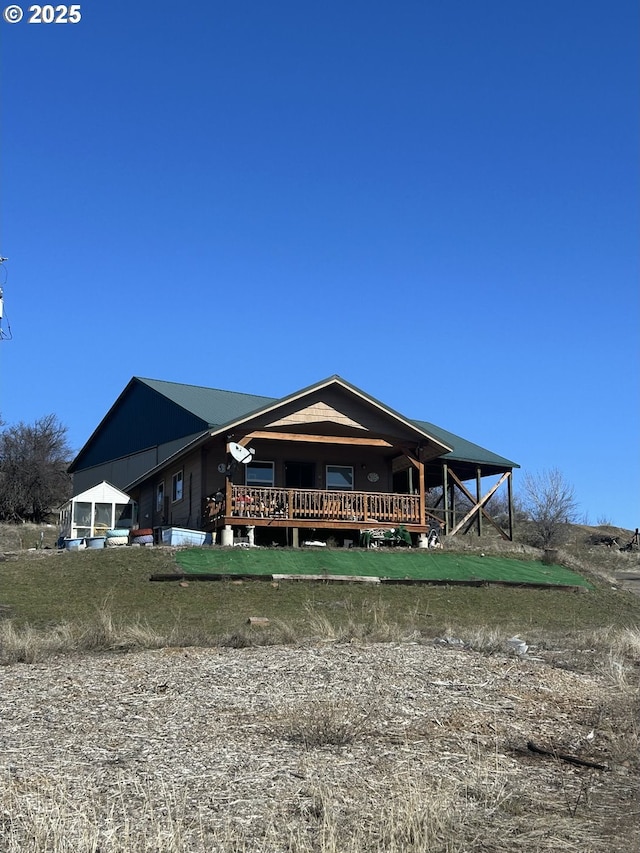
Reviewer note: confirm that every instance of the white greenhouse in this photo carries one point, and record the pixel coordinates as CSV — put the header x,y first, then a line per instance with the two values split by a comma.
x,y
92,513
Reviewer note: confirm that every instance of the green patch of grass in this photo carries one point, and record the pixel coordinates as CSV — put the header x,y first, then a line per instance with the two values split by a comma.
x,y
72,587
395,564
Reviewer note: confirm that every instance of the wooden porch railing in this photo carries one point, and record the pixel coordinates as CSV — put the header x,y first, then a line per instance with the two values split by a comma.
x,y
315,505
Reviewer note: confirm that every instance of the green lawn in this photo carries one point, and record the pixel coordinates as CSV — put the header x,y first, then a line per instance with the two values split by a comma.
x,y
394,564
70,587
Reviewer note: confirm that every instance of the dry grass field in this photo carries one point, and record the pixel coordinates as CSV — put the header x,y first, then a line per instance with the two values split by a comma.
x,y
325,746
327,735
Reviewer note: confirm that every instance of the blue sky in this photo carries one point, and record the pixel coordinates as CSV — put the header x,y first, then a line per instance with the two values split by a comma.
x,y
436,200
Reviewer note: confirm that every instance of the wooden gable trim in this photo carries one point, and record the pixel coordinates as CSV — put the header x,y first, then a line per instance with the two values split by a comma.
x,y
318,412
314,439
439,446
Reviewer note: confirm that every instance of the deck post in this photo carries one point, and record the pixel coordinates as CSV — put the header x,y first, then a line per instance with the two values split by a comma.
x,y
479,497
423,499
445,498
510,500
228,502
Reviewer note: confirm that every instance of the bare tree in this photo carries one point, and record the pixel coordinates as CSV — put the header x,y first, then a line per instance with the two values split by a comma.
x,y
33,469
550,504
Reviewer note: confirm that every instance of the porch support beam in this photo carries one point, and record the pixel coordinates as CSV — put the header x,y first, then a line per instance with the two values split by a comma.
x,y
418,464
445,498
510,498
479,507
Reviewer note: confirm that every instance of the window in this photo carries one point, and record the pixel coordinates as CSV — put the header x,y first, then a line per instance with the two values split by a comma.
x,y
82,519
159,497
102,516
260,474
340,477
176,487
82,514
126,515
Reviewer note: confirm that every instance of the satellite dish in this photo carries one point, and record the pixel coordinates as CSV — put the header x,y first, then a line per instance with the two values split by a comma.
x,y
240,453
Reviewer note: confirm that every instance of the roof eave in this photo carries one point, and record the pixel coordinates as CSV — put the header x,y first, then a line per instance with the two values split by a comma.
x,y
236,422
338,380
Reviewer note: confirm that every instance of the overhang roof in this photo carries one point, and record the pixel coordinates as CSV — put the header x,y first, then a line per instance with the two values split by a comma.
x,y
466,451
335,380
224,410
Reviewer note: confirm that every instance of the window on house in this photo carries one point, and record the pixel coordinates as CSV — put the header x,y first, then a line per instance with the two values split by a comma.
x,y
260,473
176,487
159,497
340,477
126,515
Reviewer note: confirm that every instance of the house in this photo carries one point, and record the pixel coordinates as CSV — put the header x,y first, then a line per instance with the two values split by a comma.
x,y
325,460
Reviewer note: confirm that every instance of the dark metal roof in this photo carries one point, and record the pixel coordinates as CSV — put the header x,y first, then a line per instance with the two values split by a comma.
x,y
466,451
152,411
224,407
209,404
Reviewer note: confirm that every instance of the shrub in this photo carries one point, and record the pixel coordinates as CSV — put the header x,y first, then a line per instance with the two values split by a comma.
x,y
550,503
324,723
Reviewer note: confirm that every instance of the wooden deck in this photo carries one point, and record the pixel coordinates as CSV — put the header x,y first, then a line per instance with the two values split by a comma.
x,y
275,507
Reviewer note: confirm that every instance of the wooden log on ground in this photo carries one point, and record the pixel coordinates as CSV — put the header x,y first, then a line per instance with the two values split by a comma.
x,y
561,756
207,576
339,578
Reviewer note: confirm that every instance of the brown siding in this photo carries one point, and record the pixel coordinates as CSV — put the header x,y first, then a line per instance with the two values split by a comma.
x,y
279,452
185,512
214,455
145,506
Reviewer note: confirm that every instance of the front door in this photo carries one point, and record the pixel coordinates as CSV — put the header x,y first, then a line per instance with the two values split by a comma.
x,y
300,475
403,482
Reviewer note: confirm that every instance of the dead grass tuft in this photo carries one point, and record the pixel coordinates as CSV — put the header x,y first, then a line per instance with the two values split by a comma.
x,y
371,623
46,817
321,723
28,645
